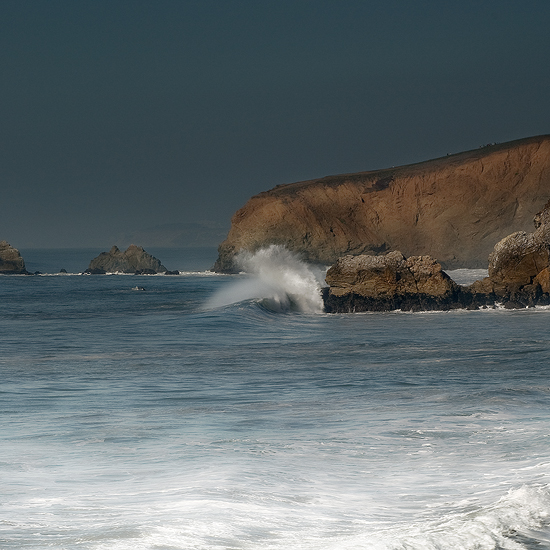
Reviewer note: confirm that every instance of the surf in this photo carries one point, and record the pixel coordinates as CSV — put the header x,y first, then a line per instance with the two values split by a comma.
x,y
277,279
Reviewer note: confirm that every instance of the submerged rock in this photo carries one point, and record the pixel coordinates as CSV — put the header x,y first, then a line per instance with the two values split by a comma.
x,y
133,260
11,261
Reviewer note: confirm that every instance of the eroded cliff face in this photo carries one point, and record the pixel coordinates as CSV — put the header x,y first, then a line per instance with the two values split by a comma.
x,y
454,208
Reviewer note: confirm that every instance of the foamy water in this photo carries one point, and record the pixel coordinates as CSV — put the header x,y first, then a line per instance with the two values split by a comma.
x,y
142,420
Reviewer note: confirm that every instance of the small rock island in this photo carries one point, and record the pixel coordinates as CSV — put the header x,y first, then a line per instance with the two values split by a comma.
x,y
11,262
133,260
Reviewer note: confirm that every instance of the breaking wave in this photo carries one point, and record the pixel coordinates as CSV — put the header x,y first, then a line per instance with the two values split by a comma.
x,y
518,521
276,278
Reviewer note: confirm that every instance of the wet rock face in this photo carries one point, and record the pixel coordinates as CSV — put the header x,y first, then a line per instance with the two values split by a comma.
x,y
133,260
11,261
454,209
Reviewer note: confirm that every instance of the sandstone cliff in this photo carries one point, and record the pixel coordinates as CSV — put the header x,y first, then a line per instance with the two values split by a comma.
x,y
453,208
133,260
11,261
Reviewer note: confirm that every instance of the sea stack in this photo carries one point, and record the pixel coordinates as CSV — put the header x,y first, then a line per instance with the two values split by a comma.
x,y
453,208
388,282
133,260
11,262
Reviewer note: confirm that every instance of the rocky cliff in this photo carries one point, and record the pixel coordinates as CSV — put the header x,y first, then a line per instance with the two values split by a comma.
x,y
453,208
133,260
11,261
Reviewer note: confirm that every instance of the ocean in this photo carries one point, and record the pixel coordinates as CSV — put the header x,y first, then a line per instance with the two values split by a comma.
x,y
211,412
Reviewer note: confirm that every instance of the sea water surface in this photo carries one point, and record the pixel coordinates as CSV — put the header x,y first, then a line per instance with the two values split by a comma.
x,y
229,412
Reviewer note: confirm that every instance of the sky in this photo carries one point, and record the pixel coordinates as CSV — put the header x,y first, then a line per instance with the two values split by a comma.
x,y
156,120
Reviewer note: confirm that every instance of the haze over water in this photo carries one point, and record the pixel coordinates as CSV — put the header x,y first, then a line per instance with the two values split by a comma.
x,y
229,412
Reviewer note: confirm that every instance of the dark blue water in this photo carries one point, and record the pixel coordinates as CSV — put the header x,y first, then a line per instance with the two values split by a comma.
x,y
150,419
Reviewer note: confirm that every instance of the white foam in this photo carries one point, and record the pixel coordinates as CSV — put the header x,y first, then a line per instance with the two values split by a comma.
x,y
515,522
275,276
516,519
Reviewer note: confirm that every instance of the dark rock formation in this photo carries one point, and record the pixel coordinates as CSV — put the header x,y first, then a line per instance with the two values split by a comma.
x,y
385,283
453,208
377,276
519,276
133,260
11,261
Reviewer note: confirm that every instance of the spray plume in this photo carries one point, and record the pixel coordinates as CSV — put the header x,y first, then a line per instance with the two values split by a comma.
x,y
277,278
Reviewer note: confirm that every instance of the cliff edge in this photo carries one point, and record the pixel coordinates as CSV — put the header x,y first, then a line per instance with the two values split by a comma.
x,y
453,208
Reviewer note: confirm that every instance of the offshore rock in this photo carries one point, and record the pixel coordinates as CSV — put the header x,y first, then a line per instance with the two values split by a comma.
x,y
384,283
453,208
133,260
378,276
11,262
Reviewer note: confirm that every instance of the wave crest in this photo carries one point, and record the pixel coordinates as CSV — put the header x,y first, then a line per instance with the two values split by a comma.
x,y
277,278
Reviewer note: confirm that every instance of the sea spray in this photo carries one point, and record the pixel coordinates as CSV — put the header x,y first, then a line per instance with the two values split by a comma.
x,y
277,278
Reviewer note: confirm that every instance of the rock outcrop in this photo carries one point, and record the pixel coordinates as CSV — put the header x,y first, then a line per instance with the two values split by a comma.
x,y
11,262
453,208
133,260
384,283
519,276
519,266
388,275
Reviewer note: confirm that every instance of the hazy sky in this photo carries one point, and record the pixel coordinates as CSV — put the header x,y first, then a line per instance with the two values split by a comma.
x,y
121,116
